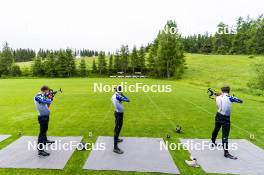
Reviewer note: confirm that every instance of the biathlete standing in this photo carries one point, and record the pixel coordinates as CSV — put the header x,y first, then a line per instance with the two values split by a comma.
x,y
117,100
222,120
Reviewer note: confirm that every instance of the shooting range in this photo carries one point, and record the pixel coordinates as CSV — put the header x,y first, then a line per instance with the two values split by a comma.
x,y
141,155
127,82
18,155
250,158
3,137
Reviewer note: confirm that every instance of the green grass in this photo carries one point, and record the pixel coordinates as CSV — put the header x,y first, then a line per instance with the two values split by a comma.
x,y
79,110
24,65
216,70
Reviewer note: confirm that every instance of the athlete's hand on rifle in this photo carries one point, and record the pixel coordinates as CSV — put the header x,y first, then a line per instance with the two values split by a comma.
x,y
52,93
125,98
213,93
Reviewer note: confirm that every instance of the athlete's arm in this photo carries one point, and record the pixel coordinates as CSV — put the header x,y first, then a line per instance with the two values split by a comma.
x,y
41,99
235,99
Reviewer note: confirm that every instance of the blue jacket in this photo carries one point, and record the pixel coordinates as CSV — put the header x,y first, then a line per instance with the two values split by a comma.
x,y
117,100
41,103
224,103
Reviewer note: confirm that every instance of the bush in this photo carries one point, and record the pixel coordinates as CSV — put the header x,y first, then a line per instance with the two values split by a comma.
x,y
258,82
26,72
15,71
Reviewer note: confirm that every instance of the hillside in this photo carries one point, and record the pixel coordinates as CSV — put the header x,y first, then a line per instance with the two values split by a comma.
x,y
207,70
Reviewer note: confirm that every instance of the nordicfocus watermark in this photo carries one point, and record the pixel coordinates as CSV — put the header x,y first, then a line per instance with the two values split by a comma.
x,y
197,146
170,30
137,87
226,30
65,146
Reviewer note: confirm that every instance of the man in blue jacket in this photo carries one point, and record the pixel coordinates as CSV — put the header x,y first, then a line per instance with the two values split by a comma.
x,y
42,103
117,100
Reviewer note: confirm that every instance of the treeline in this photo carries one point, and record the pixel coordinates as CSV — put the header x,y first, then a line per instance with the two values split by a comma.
x,y
63,63
20,55
86,52
43,53
23,55
57,64
247,37
122,61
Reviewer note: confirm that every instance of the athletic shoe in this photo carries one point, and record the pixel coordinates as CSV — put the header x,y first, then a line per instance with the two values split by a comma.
x,y
229,156
43,153
192,163
120,140
118,151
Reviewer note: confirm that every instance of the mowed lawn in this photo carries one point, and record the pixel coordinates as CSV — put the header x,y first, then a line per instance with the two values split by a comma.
x,y
79,110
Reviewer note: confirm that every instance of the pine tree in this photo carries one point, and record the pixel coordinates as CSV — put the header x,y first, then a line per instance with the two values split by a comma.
x,y
110,65
82,68
94,68
117,64
258,38
62,64
50,66
37,68
6,60
71,68
134,59
223,41
141,59
170,58
101,63
152,58
124,58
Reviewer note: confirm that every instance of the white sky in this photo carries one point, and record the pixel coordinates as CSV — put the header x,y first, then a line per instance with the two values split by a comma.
x,y
106,24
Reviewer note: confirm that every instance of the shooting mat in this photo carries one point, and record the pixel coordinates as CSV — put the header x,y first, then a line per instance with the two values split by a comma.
x,y
250,158
140,155
3,137
18,155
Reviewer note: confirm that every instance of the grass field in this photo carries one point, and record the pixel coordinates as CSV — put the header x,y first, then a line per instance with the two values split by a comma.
x,y
79,110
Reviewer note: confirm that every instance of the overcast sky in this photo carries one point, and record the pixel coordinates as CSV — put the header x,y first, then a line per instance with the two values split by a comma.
x,y
106,24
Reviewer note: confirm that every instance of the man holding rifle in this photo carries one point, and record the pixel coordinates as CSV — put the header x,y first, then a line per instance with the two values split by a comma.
x,y
42,102
117,100
222,120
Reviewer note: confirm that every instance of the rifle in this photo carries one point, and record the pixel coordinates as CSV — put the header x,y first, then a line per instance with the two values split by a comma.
x,y
232,98
212,92
52,93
